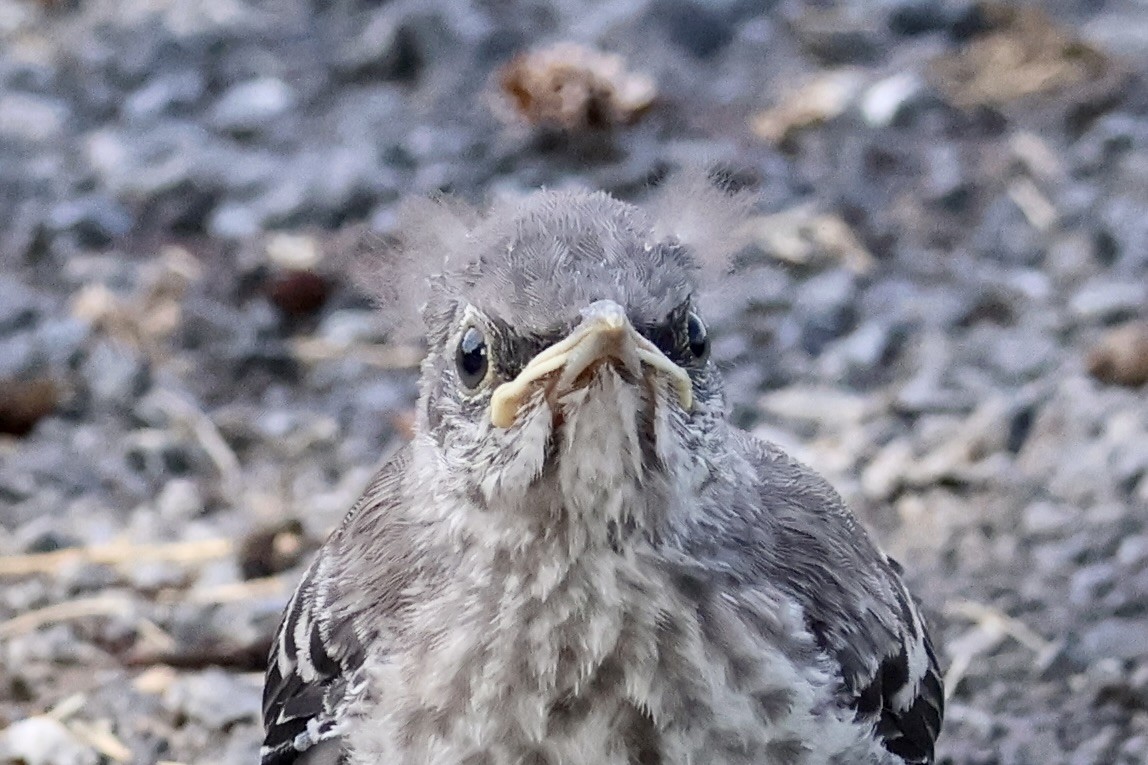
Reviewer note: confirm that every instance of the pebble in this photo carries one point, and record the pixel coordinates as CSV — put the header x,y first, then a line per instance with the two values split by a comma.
x,y
163,92
1104,300
32,118
95,221
44,741
886,101
252,105
179,500
824,304
215,698
1121,356
20,305
1115,638
115,374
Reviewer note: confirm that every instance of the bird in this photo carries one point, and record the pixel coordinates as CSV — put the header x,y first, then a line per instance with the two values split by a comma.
x,y
577,559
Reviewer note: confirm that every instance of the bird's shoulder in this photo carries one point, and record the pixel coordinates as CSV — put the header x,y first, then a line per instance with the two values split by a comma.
x,y
317,666
790,532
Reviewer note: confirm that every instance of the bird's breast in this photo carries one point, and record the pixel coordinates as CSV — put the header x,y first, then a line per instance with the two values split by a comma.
x,y
602,660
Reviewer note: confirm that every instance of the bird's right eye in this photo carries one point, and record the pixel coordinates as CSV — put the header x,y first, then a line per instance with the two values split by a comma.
x,y
472,358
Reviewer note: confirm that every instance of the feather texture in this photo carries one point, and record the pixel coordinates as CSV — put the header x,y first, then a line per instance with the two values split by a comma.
x,y
613,579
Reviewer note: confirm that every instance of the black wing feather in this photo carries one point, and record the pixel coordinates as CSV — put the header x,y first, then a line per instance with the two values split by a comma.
x,y
305,684
857,609
315,670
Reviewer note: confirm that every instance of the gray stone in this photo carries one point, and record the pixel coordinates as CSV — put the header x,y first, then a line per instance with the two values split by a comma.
x,y
61,339
1107,300
95,221
824,306
216,699
161,93
20,305
1115,638
234,221
887,100
1133,550
115,374
20,355
251,105
179,500
32,118
43,740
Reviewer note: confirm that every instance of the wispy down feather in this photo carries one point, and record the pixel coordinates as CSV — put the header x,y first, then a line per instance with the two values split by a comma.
x,y
694,207
440,242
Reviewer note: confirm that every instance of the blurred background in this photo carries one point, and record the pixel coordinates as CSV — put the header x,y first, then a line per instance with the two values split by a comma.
x,y
944,310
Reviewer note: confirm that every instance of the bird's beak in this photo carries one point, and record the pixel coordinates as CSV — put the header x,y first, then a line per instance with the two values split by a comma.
x,y
604,333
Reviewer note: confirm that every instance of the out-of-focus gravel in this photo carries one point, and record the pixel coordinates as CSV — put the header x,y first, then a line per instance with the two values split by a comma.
x,y
943,311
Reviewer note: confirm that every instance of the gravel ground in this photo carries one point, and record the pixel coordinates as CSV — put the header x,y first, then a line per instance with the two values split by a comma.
x,y
945,310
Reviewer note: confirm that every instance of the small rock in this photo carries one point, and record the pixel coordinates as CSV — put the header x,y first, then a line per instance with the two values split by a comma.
x,y
20,356
44,741
182,88
384,49
293,251
1133,551
268,551
62,339
803,236
298,293
23,403
1071,257
95,221
1104,300
861,355
1121,356
1091,582
1057,663
886,472
19,305
251,105
840,34
114,374
916,17
697,27
887,100
347,327
825,307
234,221
1115,638
179,500
812,103
1046,517
946,180
215,698
1042,57
30,117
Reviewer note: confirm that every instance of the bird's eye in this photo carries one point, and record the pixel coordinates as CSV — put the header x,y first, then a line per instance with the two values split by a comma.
x,y
698,337
472,358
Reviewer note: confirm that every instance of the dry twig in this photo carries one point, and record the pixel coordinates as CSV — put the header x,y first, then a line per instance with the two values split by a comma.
x,y
116,553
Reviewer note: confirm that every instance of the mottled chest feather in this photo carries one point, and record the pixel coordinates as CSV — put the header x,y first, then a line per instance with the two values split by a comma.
x,y
611,658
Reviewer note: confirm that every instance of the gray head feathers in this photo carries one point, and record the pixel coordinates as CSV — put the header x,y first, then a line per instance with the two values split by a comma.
x,y
537,260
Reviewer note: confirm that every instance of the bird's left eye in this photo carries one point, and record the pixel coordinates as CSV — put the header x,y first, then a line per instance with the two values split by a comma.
x,y
698,337
472,358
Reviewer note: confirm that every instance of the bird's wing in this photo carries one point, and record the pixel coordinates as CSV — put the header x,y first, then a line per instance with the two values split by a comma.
x,y
897,684
798,536
336,618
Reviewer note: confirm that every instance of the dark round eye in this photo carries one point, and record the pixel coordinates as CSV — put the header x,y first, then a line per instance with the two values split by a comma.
x,y
471,358
698,337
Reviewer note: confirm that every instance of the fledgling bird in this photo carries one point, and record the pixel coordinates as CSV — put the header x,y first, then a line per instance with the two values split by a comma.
x,y
578,560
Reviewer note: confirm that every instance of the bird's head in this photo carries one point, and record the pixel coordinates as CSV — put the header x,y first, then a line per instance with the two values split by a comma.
x,y
567,355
